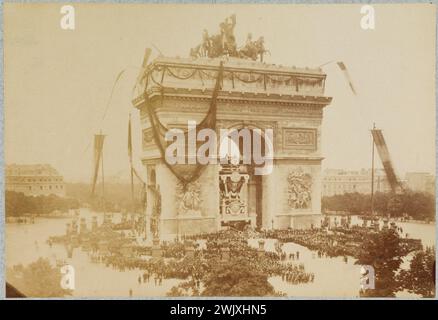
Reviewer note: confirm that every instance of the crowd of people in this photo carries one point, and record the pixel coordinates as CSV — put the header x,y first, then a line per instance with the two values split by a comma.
x,y
217,248
191,258
340,241
295,275
146,276
326,243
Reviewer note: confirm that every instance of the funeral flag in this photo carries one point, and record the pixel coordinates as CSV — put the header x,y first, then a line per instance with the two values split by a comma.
x,y
343,68
98,148
384,155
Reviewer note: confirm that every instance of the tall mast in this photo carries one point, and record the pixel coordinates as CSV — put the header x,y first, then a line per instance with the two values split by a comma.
x,y
132,188
103,185
372,173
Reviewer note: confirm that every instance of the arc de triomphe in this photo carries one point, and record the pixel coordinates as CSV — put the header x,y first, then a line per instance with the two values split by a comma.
x,y
253,95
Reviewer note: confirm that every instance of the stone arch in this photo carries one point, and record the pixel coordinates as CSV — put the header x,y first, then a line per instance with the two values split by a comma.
x,y
238,125
253,188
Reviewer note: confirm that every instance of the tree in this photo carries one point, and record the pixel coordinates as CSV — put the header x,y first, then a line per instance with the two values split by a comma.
x,y
236,278
419,205
38,279
395,204
384,253
420,278
18,204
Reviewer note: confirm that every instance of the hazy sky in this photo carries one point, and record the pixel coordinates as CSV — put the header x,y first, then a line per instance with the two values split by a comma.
x,y
57,82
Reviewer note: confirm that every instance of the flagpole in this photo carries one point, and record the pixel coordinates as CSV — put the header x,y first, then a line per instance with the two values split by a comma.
x,y
130,160
132,184
372,173
328,62
103,186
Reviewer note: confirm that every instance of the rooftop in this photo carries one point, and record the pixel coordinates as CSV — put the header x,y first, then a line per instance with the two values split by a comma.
x,y
237,64
30,170
240,76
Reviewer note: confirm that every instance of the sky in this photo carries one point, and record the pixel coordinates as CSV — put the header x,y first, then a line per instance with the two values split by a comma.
x,y
58,82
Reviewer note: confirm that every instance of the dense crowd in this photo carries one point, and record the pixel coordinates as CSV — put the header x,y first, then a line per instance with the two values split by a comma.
x,y
326,243
335,242
193,257
216,249
295,275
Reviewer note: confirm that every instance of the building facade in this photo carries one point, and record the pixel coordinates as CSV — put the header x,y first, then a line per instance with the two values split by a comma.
x,y
338,182
34,180
420,182
253,95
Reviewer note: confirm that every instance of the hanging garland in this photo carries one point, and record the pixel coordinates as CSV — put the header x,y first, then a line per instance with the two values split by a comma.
x,y
208,75
276,80
309,81
185,173
173,74
151,76
236,75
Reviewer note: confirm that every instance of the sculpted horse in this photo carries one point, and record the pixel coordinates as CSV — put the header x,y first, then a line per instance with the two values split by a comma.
x,y
253,49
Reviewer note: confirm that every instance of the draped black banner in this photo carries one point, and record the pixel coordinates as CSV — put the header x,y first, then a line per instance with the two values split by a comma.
x,y
384,155
186,173
98,148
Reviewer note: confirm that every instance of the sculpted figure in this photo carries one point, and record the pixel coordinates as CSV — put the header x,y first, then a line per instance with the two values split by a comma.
x,y
156,213
206,44
204,48
227,31
253,49
220,44
249,50
260,48
224,44
299,190
189,198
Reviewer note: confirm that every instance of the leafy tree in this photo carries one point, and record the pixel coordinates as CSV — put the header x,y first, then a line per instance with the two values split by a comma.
x,y
38,279
420,278
419,205
395,205
18,204
383,251
236,278
184,289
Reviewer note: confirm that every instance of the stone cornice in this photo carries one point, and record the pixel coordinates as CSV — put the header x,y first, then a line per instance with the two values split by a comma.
x,y
158,159
229,96
236,65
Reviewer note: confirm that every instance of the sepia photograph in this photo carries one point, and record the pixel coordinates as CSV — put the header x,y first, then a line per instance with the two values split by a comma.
x,y
219,150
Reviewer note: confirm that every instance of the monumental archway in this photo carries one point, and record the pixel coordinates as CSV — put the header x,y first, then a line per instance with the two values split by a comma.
x,y
287,100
